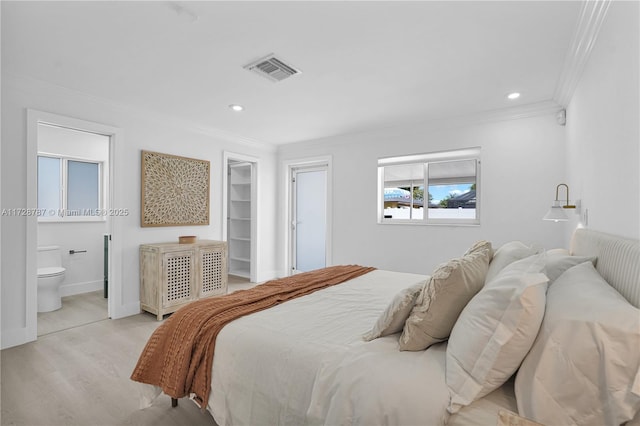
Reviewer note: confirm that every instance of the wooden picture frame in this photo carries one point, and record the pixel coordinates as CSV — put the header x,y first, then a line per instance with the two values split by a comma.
x,y
174,190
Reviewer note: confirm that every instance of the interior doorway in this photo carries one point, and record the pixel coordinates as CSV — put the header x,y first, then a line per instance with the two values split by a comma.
x,y
71,178
241,222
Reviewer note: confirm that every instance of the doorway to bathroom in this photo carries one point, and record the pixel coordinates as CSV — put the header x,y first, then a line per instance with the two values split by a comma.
x,y
74,224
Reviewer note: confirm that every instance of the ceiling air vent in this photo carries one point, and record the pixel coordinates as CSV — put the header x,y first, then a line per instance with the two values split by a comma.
x,y
272,68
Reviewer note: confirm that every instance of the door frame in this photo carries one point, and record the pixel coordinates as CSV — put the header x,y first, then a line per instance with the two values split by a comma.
x,y
288,168
227,157
114,304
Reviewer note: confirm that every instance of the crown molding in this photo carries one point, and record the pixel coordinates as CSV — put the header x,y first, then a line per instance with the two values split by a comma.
x,y
537,109
592,15
30,84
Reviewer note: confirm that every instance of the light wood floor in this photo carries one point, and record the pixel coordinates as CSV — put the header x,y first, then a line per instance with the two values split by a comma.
x,y
76,310
80,376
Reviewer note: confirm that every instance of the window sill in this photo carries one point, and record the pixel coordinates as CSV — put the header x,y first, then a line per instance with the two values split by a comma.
x,y
423,223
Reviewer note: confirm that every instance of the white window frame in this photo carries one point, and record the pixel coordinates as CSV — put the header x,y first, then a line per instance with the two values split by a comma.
x,y
425,159
64,214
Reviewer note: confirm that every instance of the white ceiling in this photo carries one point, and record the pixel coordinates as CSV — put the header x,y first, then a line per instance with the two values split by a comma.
x,y
365,65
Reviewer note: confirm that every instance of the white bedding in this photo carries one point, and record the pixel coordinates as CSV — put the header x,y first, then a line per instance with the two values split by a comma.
x,y
305,362
269,368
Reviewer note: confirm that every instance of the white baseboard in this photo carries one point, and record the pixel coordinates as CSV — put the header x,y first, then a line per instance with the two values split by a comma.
x,y
79,288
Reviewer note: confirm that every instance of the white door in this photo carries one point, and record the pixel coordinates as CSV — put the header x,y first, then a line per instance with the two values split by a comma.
x,y
309,218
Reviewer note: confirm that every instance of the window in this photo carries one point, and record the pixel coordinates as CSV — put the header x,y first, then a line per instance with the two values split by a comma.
x,y
69,189
451,180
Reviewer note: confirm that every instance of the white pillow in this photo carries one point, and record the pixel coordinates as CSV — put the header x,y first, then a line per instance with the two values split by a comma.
x,y
393,318
506,255
556,263
584,367
495,331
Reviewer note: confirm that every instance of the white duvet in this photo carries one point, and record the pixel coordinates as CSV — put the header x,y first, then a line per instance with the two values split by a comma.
x,y
304,363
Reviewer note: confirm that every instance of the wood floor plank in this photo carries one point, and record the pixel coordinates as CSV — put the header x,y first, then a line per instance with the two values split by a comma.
x,y
80,375
76,310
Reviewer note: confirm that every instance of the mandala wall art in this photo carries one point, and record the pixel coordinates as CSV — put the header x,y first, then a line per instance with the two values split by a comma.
x,y
175,190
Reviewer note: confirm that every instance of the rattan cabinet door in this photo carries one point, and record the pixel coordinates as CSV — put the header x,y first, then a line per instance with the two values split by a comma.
x,y
213,270
178,269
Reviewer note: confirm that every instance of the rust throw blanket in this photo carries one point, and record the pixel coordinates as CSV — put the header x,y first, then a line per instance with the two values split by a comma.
x,y
179,354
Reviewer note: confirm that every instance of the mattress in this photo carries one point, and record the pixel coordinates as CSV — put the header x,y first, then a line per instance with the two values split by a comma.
x,y
304,363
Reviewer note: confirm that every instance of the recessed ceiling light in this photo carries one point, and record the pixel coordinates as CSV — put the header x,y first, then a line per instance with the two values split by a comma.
x,y
236,107
514,95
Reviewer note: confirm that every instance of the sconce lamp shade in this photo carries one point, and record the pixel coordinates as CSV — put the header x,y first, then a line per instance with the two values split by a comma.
x,y
556,214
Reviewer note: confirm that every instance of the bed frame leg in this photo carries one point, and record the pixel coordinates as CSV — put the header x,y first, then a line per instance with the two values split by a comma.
x,y
174,402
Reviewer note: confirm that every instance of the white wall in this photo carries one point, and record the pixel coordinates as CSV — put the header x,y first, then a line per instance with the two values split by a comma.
x,y
84,271
522,162
141,130
603,136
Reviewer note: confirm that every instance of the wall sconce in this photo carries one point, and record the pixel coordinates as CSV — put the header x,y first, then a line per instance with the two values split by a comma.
x,y
556,212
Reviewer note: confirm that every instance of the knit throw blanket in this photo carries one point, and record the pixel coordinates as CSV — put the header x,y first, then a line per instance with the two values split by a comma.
x,y
179,354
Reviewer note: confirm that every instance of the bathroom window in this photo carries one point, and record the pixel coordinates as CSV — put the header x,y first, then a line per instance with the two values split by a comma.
x,y
439,188
69,189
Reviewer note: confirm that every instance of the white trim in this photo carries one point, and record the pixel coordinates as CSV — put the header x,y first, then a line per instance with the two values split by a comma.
x,y
117,308
472,153
287,168
31,239
79,288
126,310
255,203
268,276
537,109
16,337
26,82
592,15
451,155
115,305
1,343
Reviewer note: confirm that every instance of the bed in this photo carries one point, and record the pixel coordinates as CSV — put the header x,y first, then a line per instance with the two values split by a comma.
x,y
312,361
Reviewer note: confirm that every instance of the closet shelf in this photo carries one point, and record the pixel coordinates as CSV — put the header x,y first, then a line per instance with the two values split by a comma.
x,y
241,193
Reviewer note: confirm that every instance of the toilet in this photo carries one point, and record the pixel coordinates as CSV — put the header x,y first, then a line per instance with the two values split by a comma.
x,y
50,276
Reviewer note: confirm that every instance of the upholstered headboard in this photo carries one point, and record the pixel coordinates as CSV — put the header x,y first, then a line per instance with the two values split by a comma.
x,y
618,260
